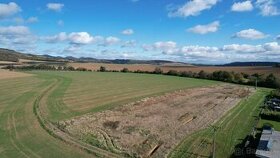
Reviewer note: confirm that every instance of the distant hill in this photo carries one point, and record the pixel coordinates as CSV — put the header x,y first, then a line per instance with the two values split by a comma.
x,y
14,56
11,55
252,64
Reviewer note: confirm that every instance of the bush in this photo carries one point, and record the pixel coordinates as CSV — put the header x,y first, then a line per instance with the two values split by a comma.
x,y
102,69
158,71
173,73
81,69
270,115
125,70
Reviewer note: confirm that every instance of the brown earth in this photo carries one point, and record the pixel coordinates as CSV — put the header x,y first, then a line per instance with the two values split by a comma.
x,y
147,67
153,126
6,74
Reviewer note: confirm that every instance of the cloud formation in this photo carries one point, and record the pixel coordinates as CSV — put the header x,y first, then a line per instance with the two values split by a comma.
x,y
204,29
251,34
242,6
9,9
55,6
193,8
14,35
223,54
267,7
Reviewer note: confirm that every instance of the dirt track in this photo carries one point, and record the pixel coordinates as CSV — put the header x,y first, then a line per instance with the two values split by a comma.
x,y
153,126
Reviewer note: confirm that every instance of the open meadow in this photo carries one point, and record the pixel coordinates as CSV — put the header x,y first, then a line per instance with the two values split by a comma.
x,y
106,114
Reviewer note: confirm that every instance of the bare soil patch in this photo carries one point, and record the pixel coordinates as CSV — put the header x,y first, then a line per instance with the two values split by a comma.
x,y
6,74
153,126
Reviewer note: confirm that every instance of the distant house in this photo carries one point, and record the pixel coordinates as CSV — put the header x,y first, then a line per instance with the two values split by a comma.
x,y
269,145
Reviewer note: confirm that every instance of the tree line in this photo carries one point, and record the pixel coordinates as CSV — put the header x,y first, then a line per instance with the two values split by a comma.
x,y
270,81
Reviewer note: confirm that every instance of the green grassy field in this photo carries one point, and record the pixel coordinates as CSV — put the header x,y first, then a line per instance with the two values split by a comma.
x,y
78,93
52,93
233,128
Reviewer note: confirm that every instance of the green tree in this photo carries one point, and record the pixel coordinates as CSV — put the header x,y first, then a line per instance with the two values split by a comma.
x,y
158,70
125,70
102,69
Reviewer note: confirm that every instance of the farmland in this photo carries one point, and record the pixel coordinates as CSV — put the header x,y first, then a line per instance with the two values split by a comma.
x,y
166,67
57,114
21,133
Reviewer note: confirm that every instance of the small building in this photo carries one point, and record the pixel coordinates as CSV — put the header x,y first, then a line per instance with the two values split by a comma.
x,y
269,145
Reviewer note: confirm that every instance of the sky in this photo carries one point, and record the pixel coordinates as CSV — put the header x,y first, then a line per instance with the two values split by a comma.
x,y
191,31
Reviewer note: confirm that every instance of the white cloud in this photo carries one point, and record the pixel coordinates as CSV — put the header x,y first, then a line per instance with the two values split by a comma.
x,y
243,48
204,29
267,7
14,30
242,6
250,34
193,8
80,38
61,37
128,32
223,54
166,47
55,6
11,35
110,41
8,9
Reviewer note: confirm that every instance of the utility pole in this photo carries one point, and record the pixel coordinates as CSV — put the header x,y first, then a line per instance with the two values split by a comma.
x,y
215,129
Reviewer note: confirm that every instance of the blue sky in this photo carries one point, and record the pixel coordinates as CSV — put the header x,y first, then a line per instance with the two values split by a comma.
x,y
193,31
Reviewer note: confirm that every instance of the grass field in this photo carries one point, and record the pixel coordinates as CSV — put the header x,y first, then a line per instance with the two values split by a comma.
x,y
233,128
82,92
21,135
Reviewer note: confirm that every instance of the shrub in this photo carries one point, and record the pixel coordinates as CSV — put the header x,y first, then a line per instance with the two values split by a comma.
x,y
125,70
102,69
172,73
158,71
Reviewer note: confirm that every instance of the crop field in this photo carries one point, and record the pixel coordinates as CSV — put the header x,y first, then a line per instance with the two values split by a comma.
x,y
147,67
103,114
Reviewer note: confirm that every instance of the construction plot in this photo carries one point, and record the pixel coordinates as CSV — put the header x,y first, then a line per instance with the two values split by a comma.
x,y
152,127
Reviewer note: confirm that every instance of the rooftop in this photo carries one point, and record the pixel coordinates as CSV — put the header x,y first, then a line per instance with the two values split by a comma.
x,y
269,145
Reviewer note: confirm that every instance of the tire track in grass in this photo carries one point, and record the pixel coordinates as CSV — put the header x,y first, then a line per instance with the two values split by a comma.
x,y
13,142
14,136
57,133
